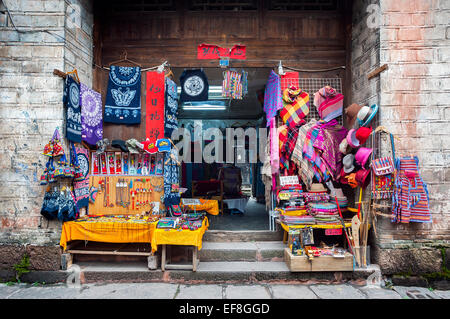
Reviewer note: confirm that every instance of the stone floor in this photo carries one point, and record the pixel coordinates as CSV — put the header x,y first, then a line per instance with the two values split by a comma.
x,y
214,291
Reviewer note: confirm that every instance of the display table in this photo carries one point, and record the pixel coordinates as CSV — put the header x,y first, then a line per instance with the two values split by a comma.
x,y
211,206
331,226
183,237
108,229
237,203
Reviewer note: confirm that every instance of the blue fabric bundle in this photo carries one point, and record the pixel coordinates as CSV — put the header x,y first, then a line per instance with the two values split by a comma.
x,y
123,98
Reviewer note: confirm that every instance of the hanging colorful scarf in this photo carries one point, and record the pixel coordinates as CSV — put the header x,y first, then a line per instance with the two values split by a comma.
x,y
328,103
91,115
296,107
154,123
232,85
71,99
123,98
272,96
171,108
410,200
306,172
313,156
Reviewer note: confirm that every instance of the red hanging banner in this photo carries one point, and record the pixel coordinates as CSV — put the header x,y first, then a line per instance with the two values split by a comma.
x,y
211,51
154,117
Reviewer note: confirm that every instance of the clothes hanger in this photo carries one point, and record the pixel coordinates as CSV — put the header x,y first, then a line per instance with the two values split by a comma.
x,y
125,59
74,71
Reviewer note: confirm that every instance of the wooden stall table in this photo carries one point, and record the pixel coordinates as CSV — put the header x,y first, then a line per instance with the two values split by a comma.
x,y
183,237
107,229
331,226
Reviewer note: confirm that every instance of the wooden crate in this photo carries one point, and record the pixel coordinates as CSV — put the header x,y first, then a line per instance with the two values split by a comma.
x,y
322,263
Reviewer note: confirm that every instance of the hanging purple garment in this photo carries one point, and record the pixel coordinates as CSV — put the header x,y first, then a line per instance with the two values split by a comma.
x,y
272,96
91,115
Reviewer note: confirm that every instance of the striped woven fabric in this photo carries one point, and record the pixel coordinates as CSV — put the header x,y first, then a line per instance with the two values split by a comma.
x,y
329,103
311,154
410,199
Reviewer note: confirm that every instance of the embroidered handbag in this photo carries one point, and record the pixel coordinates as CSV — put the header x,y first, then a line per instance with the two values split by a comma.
x,y
48,176
383,175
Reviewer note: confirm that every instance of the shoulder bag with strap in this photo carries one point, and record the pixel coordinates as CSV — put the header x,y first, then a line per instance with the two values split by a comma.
x,y
383,175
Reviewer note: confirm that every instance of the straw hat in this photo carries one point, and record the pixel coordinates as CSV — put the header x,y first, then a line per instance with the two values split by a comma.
x,y
317,188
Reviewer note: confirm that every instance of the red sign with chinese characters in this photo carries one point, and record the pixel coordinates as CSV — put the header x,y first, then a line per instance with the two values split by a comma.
x,y
154,117
211,51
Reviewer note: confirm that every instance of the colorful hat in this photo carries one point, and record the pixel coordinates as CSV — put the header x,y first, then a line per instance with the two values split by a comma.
x,y
350,114
342,176
328,103
362,134
133,145
149,147
296,106
351,180
348,163
344,148
351,139
362,177
362,155
163,145
365,115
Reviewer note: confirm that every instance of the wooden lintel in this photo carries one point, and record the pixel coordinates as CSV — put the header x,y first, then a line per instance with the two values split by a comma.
x,y
377,71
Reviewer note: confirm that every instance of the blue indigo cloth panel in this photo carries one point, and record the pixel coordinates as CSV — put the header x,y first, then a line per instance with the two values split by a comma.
x,y
171,108
170,177
272,96
91,115
194,86
71,100
123,98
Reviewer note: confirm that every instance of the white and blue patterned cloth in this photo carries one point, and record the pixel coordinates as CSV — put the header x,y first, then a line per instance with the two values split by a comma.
x,y
71,99
170,177
171,108
123,98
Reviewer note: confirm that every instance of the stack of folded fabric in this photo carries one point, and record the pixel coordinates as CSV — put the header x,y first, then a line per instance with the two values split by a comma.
x,y
322,209
290,192
297,220
318,193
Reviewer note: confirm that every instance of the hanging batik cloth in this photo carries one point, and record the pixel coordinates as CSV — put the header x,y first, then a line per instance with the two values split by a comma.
x,y
71,100
410,200
272,96
171,108
91,115
123,98
171,191
194,86
81,187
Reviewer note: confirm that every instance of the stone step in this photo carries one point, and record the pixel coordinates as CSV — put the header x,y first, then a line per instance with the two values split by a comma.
x,y
211,272
242,251
242,236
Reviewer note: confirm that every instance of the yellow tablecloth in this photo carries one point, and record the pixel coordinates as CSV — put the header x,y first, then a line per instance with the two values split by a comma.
x,y
211,206
108,230
179,237
286,227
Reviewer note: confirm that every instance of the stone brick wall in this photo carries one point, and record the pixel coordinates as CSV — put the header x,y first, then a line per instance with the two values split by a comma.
x,y
413,94
31,108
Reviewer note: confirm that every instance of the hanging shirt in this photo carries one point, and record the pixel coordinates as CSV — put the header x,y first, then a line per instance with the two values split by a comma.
x,y
123,98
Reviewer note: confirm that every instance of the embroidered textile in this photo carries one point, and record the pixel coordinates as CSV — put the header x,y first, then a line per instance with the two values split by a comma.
x,y
91,115
194,86
123,98
410,200
272,96
71,99
171,108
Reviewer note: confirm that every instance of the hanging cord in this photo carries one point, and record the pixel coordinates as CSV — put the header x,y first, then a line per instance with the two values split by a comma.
x,y
160,67
319,70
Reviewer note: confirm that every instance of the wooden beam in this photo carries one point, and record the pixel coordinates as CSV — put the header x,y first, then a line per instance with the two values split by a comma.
x,y
377,71
103,252
59,73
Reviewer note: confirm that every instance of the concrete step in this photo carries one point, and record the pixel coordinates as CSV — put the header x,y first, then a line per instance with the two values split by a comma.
x,y
242,251
242,235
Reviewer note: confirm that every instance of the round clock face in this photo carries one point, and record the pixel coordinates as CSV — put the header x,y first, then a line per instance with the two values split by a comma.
x,y
194,85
